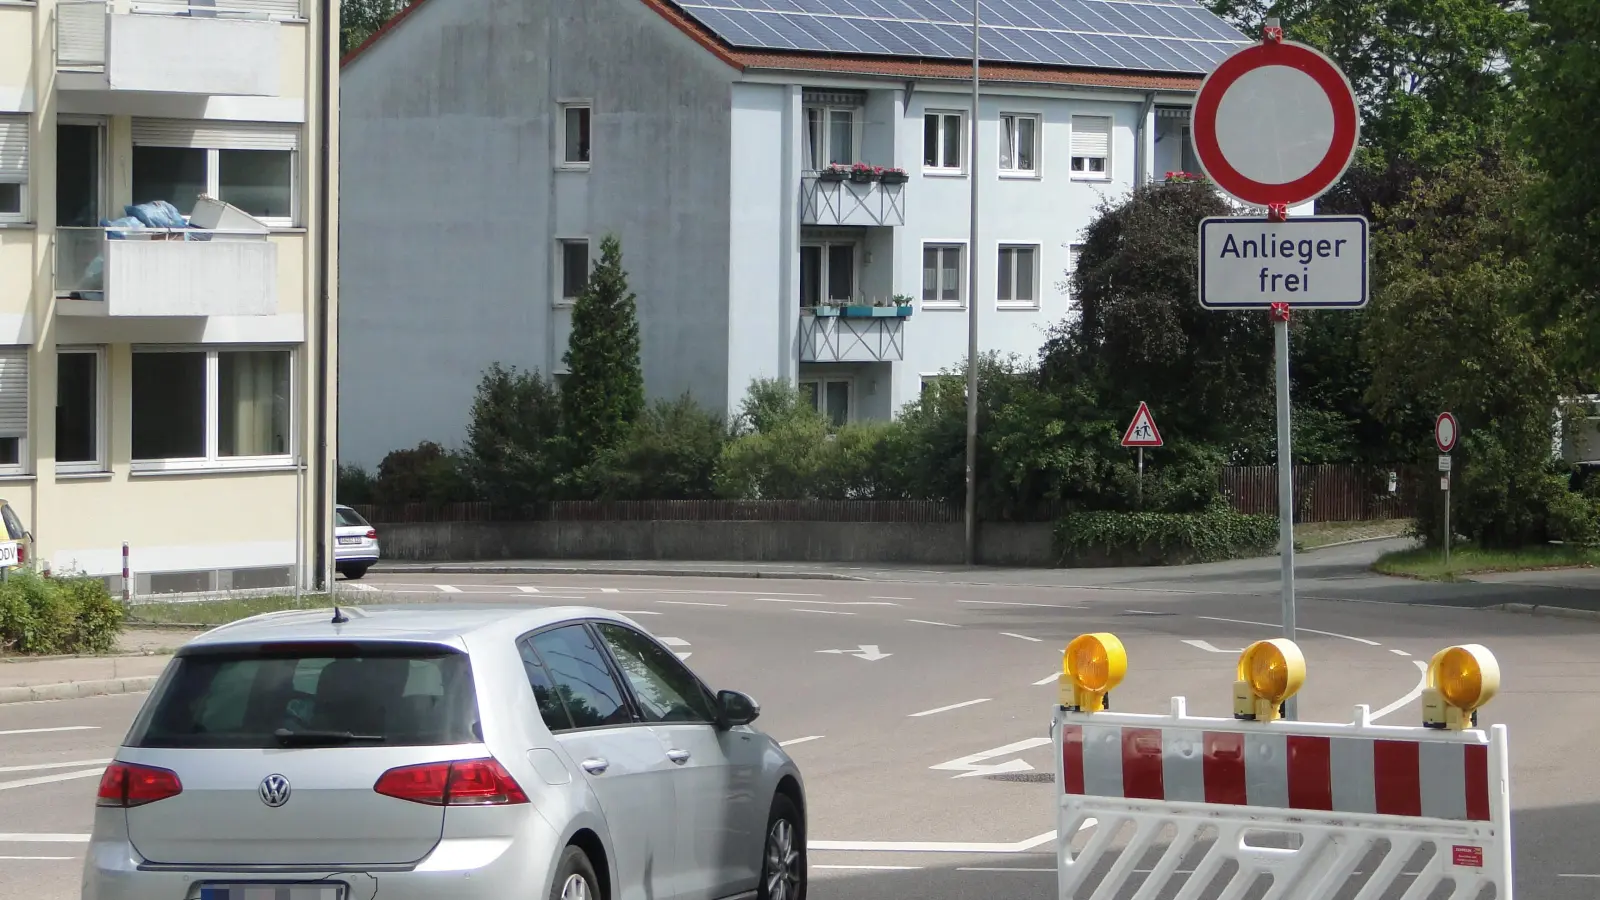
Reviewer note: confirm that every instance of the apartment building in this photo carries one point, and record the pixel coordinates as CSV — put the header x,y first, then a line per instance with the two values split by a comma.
x,y
164,384
491,144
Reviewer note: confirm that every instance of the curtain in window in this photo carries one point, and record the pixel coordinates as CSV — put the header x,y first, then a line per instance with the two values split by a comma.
x,y
813,141
253,403
841,137
1008,140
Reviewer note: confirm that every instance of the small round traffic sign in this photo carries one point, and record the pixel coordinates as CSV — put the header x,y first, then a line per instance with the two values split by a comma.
x,y
1444,432
1276,123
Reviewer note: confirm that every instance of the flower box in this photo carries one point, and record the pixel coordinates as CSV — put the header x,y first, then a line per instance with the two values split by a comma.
x,y
824,311
877,312
832,176
894,176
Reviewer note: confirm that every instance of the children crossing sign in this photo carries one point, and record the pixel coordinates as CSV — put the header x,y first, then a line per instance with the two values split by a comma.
x,y
1142,431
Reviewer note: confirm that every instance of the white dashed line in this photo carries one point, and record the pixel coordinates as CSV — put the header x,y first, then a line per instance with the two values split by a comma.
x,y
637,612
527,590
1278,625
448,589
891,598
49,730
48,779
929,712
1022,637
927,622
57,765
1018,603
1055,678
611,590
1398,652
871,868
800,740
690,603
345,586
999,869
22,838
825,612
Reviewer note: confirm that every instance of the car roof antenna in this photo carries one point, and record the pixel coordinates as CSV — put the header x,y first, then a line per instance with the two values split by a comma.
x,y
339,618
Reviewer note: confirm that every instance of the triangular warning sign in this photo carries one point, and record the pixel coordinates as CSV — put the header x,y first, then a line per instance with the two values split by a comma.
x,y
1142,431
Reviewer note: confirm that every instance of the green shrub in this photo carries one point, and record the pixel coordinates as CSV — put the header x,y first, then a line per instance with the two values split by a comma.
x,y
426,473
356,485
1143,538
513,437
57,615
669,453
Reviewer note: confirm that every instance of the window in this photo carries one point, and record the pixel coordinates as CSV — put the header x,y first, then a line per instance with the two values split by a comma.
x,y
1091,147
551,707
13,168
941,141
829,396
942,275
388,694
222,408
13,408
1017,276
250,165
582,679
345,517
832,134
1191,162
80,175
574,269
80,410
575,134
827,274
665,689
1019,144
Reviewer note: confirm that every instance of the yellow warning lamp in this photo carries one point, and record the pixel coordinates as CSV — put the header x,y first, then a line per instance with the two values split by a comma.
x,y
1093,664
1270,672
1459,681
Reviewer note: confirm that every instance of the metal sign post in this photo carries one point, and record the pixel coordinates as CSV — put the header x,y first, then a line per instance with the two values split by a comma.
x,y
1445,432
1276,125
1142,432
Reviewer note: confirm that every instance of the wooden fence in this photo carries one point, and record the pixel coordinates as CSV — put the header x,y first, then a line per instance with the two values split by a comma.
x,y
1329,493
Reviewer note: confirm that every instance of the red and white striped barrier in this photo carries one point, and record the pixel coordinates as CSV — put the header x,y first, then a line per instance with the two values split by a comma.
x,y
1333,792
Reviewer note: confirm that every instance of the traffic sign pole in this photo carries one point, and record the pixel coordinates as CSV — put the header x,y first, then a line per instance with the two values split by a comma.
x,y
1280,316
1445,432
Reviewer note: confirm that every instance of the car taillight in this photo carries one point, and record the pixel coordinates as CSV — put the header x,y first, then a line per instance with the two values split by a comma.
x,y
125,785
22,554
469,782
372,534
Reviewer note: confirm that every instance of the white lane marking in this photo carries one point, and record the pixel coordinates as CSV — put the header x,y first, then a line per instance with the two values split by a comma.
x,y
37,857
927,622
49,730
800,740
891,598
1280,625
611,590
48,779
1142,612
936,846
1016,603
929,712
972,765
825,612
1055,678
999,869
527,590
448,589
683,656
1398,652
1022,637
23,838
826,602
57,765
346,586
673,641
1416,692
1576,875
637,612
871,868
690,603
1210,647
868,652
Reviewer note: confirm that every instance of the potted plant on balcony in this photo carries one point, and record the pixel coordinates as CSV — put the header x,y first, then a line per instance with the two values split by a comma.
x,y
825,309
902,304
861,173
893,176
834,173
1184,178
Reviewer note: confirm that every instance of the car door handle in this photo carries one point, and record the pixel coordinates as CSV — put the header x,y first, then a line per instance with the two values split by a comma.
x,y
595,765
678,756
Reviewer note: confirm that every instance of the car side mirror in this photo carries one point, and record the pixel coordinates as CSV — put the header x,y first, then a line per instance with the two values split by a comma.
x,y
735,708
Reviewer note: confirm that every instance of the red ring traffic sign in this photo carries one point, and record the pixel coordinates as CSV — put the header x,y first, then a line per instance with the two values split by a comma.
x,y
1280,93
1445,432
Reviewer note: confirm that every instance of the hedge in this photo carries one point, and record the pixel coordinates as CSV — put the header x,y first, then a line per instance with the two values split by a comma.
x,y
1147,538
57,615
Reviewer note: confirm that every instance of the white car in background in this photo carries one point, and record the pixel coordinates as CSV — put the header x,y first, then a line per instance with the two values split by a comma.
x,y
355,543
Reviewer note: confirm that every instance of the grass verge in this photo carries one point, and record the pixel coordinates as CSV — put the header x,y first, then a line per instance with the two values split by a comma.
x,y
1428,563
220,611
1312,535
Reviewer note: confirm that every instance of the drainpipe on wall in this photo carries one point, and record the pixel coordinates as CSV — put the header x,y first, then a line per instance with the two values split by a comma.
x,y
1141,152
324,511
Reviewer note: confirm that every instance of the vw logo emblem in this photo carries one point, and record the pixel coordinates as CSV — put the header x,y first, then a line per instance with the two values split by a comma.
x,y
274,790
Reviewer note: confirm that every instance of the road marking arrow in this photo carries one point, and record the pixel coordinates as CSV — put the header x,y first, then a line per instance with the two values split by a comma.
x,y
1211,648
868,652
970,766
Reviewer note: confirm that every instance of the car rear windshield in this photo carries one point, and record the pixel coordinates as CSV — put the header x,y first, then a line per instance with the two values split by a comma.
x,y
349,517
328,694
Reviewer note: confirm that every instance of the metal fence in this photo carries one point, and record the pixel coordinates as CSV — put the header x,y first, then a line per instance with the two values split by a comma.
x,y
1327,493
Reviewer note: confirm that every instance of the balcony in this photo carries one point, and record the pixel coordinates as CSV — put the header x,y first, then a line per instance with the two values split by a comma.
x,y
188,272
171,50
853,334
831,200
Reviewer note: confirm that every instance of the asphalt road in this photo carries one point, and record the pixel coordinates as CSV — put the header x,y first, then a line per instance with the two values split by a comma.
x,y
964,678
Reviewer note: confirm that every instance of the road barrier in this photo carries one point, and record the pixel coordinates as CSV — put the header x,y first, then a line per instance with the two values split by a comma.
x,y
1185,807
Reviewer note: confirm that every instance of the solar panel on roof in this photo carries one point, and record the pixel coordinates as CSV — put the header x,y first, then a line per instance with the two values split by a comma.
x,y
1138,35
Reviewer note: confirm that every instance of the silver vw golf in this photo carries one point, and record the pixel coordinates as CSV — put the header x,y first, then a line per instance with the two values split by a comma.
x,y
422,753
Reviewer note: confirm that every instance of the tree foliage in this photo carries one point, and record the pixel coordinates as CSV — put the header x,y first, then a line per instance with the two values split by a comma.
x,y
669,453
360,19
603,392
512,436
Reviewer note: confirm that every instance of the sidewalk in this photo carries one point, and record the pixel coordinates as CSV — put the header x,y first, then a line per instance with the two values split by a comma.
x,y
142,655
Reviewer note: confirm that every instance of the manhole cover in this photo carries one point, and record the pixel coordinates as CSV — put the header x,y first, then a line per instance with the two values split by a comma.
x,y
1024,777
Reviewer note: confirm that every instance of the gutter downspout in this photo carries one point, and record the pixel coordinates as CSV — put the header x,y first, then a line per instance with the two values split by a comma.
x,y
324,580
1141,155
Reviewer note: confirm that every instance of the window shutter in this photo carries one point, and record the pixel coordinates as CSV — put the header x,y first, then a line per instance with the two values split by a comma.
x,y
215,135
14,148
277,9
1091,136
14,392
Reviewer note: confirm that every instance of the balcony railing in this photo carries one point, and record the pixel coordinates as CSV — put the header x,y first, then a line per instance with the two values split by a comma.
x,y
831,201
173,48
181,272
853,333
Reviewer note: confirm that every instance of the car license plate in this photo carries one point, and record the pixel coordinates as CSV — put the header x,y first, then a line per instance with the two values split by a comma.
x,y
8,553
349,540
272,892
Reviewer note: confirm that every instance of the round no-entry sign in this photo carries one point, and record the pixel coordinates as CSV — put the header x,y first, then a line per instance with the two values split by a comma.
x,y
1275,123
1444,432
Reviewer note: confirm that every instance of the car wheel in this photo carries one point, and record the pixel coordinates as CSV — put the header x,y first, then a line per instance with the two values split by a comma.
x,y
783,854
575,878
355,572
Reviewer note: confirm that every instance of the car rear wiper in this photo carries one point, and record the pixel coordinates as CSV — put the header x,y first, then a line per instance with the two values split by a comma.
x,y
308,738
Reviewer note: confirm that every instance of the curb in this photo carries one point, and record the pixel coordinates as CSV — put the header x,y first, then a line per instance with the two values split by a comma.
x,y
598,570
74,690
1560,612
1353,541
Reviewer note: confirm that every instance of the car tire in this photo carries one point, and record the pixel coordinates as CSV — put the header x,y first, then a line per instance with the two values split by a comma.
x,y
783,853
355,572
575,878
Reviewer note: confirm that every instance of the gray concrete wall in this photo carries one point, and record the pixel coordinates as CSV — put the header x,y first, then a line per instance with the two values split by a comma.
x,y
451,203
932,544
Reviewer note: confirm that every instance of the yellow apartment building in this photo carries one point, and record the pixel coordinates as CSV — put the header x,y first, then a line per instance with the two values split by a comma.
x,y
171,388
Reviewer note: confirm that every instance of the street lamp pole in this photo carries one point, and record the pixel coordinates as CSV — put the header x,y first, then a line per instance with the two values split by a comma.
x,y
972,310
